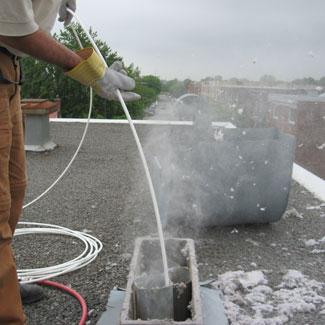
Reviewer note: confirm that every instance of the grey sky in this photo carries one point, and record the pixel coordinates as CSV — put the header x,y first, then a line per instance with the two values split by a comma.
x,y
233,38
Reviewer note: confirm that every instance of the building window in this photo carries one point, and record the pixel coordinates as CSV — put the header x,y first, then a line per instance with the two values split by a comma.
x,y
292,116
274,116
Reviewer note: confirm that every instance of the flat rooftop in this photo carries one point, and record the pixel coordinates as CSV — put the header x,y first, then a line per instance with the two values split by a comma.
x,y
105,193
292,100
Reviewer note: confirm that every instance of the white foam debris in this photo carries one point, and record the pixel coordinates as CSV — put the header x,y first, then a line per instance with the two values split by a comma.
x,y
249,300
321,147
218,134
311,242
293,213
313,207
240,111
253,242
318,251
157,162
234,231
314,242
311,54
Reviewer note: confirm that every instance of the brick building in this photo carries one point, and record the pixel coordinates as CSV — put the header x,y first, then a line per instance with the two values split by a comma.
x,y
252,100
304,117
298,111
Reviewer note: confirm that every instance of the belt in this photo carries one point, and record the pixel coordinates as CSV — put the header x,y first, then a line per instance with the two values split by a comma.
x,y
14,59
8,53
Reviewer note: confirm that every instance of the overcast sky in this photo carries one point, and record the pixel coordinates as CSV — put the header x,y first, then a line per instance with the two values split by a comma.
x,y
199,38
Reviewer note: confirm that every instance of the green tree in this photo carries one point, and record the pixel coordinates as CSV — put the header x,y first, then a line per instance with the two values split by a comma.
x,y
235,81
149,87
218,78
152,82
322,82
268,80
309,81
43,80
175,87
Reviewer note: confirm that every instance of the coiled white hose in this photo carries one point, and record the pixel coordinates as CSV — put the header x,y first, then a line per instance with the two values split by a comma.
x,y
92,247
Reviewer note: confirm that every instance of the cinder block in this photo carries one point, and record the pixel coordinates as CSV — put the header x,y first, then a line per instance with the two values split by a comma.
x,y
146,295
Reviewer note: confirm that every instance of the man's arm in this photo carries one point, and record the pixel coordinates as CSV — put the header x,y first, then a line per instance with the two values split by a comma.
x,y
42,46
87,67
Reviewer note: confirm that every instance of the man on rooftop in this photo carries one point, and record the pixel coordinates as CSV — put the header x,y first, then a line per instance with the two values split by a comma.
x,y
24,30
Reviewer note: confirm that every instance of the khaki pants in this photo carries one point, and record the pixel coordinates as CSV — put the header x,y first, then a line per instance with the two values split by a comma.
x,y
12,191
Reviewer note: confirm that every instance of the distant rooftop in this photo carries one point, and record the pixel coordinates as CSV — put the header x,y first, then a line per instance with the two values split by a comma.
x,y
304,89
263,87
292,100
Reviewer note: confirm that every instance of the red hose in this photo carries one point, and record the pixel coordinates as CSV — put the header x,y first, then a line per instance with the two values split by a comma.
x,y
73,293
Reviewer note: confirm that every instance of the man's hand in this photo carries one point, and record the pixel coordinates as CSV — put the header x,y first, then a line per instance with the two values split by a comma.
x,y
105,81
64,15
116,78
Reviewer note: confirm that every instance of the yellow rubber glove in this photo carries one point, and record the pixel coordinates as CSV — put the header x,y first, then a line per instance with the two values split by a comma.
x,y
93,72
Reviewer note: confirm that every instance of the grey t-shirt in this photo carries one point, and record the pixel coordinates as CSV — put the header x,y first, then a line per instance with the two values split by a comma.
x,y
24,17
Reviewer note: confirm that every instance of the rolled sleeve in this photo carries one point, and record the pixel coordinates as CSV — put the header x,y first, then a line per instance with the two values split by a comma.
x,y
17,18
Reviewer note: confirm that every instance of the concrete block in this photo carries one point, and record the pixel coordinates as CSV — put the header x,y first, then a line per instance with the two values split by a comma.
x,y
146,296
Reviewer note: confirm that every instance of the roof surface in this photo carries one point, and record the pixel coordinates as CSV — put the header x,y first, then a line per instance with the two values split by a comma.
x,y
105,194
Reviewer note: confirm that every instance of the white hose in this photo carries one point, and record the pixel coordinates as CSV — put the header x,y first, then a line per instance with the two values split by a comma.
x,y
73,157
143,158
92,248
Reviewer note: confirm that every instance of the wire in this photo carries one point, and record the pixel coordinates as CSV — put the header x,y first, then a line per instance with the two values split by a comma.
x,y
71,292
92,247
73,157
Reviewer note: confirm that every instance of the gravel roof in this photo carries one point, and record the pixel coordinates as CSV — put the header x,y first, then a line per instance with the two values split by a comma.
x,y
105,193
